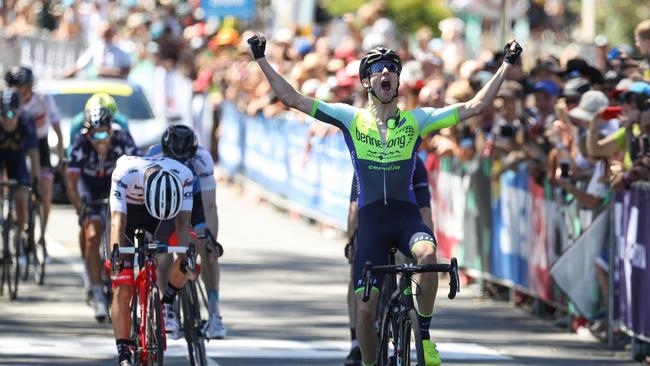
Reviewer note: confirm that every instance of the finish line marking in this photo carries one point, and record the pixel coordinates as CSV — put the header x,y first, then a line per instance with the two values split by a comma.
x,y
250,348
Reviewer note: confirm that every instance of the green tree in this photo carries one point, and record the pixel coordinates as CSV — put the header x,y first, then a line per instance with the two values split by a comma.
x,y
409,15
617,19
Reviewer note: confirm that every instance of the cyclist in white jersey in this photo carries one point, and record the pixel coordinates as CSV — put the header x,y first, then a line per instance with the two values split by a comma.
x,y
154,194
44,112
179,142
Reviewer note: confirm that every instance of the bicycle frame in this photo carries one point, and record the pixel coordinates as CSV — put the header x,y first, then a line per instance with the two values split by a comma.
x,y
146,279
399,306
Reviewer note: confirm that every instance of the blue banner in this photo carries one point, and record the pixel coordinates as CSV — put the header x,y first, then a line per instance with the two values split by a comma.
x,y
510,215
242,9
272,152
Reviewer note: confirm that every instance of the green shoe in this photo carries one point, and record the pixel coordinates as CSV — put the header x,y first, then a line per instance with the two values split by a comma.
x,y
431,355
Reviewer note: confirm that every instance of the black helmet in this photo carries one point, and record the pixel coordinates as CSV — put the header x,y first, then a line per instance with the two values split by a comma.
x,y
10,103
96,117
19,75
375,55
179,142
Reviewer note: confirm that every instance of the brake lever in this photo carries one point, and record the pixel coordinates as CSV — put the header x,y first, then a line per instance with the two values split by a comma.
x,y
454,282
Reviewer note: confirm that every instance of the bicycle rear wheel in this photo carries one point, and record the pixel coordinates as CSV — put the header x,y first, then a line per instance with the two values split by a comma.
x,y
154,329
191,309
27,248
411,340
13,267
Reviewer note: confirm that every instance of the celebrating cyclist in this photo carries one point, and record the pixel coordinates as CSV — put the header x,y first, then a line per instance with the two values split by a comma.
x,y
383,140
98,99
423,199
44,113
93,157
17,142
179,142
154,194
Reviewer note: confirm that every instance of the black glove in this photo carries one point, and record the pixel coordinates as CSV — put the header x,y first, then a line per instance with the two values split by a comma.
x,y
258,44
512,56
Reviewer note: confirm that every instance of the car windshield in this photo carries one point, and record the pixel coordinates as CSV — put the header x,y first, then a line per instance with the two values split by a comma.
x,y
135,106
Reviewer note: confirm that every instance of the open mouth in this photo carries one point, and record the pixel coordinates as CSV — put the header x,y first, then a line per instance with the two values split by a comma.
x,y
385,85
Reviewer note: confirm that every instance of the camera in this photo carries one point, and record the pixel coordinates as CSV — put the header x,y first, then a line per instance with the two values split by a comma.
x,y
507,131
564,168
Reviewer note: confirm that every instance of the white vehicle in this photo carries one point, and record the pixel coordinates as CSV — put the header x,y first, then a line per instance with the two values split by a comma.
x,y
70,96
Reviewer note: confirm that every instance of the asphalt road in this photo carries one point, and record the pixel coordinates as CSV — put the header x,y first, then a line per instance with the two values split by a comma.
x,y
283,301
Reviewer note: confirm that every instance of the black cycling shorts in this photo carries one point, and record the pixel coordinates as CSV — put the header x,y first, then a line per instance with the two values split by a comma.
x,y
16,165
198,215
380,226
44,154
137,217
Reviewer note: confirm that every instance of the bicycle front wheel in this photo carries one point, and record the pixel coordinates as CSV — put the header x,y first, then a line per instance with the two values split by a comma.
x,y
192,324
411,340
388,339
154,329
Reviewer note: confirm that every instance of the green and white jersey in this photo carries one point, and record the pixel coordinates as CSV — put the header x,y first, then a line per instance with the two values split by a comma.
x,y
384,170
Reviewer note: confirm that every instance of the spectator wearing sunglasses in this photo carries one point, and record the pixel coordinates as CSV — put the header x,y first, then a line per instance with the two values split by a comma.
x,y
93,158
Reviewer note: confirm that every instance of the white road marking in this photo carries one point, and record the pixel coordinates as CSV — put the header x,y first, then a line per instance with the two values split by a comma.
x,y
97,347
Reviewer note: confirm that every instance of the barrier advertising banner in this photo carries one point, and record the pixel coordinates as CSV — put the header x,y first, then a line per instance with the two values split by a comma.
x,y
575,273
631,258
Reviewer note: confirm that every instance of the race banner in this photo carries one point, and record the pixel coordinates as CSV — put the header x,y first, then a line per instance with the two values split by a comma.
x,y
477,219
231,139
631,258
575,273
511,227
448,207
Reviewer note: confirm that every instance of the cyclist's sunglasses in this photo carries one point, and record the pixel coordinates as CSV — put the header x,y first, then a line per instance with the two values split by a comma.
x,y
103,135
9,114
379,67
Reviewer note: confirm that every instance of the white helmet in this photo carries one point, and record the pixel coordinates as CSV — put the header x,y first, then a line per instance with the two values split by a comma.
x,y
163,193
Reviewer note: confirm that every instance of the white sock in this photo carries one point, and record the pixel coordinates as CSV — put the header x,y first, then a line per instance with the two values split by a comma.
x,y
355,344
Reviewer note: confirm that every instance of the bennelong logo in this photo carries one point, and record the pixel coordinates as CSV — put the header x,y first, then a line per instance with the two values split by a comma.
x,y
366,139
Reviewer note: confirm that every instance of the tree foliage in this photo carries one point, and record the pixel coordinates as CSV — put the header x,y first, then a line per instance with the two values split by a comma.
x,y
409,15
617,19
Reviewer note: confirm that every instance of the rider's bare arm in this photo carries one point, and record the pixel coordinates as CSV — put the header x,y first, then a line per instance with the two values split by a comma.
x,y
485,96
118,227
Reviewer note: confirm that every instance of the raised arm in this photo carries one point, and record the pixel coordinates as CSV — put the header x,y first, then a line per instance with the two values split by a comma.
x,y
486,95
284,91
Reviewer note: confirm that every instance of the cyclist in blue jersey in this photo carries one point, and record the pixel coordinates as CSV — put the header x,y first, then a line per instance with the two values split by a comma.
x,y
99,99
179,142
383,141
18,142
93,158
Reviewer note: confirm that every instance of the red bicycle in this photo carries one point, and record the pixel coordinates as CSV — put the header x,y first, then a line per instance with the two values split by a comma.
x,y
148,327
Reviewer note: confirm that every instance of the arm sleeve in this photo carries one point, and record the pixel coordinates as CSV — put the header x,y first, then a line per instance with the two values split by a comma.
x,y
338,114
52,110
432,119
76,154
117,198
204,170
188,197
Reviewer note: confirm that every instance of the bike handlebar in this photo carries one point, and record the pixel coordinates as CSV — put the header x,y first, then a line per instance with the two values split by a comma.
x,y
117,264
410,269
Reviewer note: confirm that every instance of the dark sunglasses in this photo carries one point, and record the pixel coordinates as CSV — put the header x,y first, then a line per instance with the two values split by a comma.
x,y
379,67
103,135
9,114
